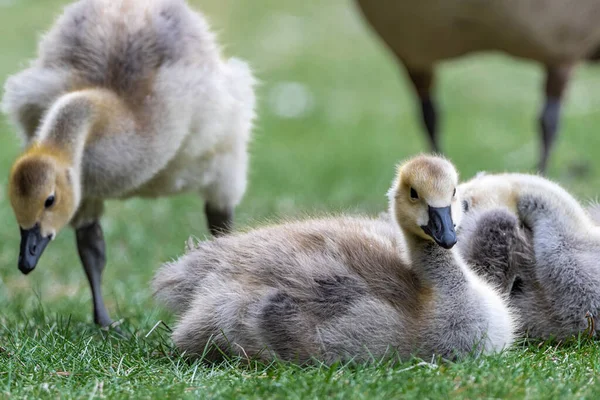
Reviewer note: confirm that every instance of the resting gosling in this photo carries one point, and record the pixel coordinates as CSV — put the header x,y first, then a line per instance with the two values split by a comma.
x,y
341,288
547,258
127,98
555,33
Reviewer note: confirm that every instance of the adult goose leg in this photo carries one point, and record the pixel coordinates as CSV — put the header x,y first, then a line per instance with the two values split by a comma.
x,y
557,78
422,81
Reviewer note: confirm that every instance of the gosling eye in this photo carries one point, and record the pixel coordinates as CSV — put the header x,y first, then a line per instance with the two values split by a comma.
x,y
413,194
454,193
49,201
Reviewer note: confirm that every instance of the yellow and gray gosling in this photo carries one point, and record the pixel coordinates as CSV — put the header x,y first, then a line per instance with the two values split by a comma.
x,y
532,239
126,98
341,288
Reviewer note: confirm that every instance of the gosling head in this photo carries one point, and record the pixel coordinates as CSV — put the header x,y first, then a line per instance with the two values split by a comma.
x,y
424,200
44,196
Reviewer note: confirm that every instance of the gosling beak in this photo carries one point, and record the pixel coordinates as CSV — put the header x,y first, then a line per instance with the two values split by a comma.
x,y
32,247
440,226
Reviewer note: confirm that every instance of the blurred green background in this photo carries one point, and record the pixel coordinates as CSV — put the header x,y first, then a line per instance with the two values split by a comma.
x,y
335,115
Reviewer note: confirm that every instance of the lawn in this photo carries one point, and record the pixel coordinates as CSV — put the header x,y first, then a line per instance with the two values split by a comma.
x,y
335,115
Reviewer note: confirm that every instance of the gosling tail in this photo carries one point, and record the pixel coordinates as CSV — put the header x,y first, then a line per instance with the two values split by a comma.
x,y
175,282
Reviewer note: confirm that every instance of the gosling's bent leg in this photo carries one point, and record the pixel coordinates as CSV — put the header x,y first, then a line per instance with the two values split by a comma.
x,y
223,195
92,252
219,221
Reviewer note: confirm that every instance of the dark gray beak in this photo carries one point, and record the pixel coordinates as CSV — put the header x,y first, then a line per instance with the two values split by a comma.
x,y
440,226
32,247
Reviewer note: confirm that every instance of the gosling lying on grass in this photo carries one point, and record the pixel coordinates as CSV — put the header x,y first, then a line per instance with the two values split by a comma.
x,y
127,98
341,288
532,239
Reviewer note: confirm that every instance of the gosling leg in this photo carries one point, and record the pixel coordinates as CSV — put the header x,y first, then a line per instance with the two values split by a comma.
x,y
591,329
422,81
92,252
219,221
556,83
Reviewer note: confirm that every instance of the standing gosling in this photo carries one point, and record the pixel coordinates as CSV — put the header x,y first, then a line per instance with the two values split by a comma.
x,y
341,288
127,98
555,33
547,259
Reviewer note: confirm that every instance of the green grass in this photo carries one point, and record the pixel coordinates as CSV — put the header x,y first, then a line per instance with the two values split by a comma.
x,y
337,155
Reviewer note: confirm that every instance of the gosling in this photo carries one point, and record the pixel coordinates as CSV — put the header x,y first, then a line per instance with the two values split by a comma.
x,y
126,98
533,240
341,288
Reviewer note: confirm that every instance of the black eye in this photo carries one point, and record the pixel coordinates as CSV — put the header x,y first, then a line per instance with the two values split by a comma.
x,y
413,194
454,193
49,201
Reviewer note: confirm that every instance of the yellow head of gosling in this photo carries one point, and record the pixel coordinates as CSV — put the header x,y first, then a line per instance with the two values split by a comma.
x,y
424,201
43,195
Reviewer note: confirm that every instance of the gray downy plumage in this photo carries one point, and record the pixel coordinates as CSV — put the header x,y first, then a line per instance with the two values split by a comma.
x,y
550,270
336,288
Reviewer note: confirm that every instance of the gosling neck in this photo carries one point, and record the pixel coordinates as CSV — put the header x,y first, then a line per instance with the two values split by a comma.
x,y
433,261
72,120
423,250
